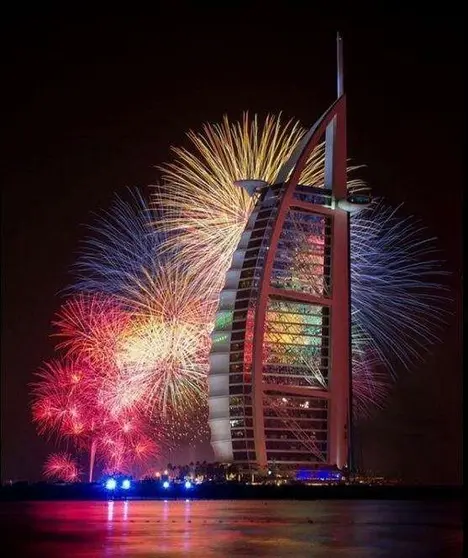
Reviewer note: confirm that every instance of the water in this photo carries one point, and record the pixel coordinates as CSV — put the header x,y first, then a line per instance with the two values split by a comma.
x,y
318,529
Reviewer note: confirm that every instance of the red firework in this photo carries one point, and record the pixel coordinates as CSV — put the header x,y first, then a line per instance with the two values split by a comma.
x,y
61,466
68,403
61,399
91,326
126,441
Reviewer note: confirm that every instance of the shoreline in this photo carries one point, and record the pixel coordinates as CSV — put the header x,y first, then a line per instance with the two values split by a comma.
x,y
226,491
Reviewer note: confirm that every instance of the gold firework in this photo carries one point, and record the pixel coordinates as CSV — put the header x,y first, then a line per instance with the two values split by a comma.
x,y
204,212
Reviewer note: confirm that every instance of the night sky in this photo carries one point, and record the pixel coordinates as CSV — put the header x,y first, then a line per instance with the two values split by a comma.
x,y
93,106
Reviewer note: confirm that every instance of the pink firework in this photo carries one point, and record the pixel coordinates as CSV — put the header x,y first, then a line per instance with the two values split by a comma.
x,y
61,466
126,442
91,327
61,398
67,403
369,383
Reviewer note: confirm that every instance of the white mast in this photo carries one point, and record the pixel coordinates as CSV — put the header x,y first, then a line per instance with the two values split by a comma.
x,y
339,66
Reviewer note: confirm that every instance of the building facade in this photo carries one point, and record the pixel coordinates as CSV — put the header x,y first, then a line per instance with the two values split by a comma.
x,y
279,382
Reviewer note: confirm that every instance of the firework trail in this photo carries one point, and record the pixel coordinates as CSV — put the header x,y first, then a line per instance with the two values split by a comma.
x,y
61,466
91,326
68,404
206,214
136,332
122,247
60,399
394,274
370,383
165,354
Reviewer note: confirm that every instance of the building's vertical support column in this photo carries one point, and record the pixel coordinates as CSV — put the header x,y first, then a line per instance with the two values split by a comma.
x,y
340,322
340,311
340,353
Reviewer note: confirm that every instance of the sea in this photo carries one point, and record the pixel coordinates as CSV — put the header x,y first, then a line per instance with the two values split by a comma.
x,y
217,528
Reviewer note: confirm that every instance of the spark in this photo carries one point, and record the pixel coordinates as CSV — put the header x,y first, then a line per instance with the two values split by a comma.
x,y
122,246
135,334
205,215
90,326
395,274
68,404
61,466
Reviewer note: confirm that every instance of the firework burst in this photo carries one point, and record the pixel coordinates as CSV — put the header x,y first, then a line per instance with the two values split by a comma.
x,y
90,326
122,246
136,335
62,466
165,354
394,273
60,399
127,441
206,214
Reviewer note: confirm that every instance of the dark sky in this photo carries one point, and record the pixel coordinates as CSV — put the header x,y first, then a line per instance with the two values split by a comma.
x,y
93,105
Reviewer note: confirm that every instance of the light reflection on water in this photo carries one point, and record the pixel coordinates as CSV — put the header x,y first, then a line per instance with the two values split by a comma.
x,y
322,529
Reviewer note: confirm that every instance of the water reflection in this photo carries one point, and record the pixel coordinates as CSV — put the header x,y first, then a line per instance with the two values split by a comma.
x,y
368,529
187,533
110,512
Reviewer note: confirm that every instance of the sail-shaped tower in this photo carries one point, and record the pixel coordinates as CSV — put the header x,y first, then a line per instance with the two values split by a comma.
x,y
279,381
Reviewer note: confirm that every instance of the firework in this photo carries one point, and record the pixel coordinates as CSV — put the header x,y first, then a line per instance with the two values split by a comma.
x,y
206,213
126,441
150,339
64,404
203,208
94,327
61,466
136,332
167,362
90,326
165,355
394,273
122,246
68,403
60,399
149,352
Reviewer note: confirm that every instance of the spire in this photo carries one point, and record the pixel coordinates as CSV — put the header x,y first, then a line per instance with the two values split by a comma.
x,y
339,66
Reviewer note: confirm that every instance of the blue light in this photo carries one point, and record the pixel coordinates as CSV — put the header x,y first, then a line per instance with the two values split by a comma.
x,y
323,475
166,484
111,484
188,484
126,484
